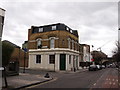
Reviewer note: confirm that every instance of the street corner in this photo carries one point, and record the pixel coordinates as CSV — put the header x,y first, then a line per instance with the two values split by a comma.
x,y
25,80
47,80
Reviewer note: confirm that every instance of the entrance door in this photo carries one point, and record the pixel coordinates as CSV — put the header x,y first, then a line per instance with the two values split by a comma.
x,y
62,62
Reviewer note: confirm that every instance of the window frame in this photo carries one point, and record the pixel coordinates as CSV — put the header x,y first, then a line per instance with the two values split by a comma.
x,y
73,44
69,59
67,29
52,59
39,41
54,27
38,61
69,42
40,30
52,44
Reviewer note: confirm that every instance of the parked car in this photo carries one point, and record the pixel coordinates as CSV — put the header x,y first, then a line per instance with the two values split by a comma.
x,y
109,66
92,68
103,66
99,67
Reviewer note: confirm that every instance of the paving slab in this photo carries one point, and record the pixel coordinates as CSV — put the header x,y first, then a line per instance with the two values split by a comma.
x,y
24,80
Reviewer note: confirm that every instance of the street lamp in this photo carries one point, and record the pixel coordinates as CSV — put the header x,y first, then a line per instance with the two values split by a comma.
x,y
25,50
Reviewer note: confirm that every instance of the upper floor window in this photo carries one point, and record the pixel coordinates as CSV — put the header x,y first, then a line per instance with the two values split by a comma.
x,y
71,31
39,44
72,44
68,42
67,29
52,41
40,29
63,42
38,58
53,27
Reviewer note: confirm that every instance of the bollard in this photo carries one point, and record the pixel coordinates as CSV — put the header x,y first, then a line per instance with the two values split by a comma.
x,y
74,70
47,75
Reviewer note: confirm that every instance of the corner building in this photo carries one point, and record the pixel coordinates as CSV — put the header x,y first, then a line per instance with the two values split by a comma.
x,y
53,47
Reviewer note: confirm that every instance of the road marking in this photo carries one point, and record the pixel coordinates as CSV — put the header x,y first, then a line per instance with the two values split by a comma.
x,y
110,83
114,83
119,84
94,84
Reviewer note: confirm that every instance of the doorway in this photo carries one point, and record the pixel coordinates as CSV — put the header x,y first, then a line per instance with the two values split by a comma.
x,y
62,61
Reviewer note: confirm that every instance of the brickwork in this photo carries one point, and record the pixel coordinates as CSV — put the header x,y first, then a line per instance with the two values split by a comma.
x,y
61,42
18,55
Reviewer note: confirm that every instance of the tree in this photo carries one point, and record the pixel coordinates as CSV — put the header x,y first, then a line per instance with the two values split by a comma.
x,y
7,50
116,55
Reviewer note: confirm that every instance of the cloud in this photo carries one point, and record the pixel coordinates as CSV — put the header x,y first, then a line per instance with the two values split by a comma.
x,y
96,22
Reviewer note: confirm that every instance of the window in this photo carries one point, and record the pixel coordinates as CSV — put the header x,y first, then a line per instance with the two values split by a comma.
x,y
52,43
67,29
53,27
72,44
40,29
63,42
52,59
39,44
38,58
68,42
69,59
71,31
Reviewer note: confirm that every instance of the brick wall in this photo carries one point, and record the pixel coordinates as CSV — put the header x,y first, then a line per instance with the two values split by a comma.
x,y
61,42
18,55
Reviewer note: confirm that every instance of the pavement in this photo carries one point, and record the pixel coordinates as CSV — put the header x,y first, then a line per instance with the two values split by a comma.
x,y
32,77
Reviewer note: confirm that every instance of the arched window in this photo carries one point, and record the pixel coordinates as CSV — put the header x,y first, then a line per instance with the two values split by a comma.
x,y
39,43
52,41
73,44
69,43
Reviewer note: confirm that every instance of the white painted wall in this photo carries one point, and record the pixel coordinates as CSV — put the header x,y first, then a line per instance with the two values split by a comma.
x,y
45,60
86,55
2,12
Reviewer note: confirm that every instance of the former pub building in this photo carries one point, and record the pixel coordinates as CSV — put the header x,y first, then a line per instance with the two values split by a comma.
x,y
53,47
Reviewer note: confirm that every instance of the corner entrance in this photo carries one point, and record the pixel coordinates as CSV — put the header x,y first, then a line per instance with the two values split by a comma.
x,y
62,61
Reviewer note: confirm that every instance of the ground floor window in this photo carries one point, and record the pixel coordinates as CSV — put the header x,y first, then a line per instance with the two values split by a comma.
x,y
51,59
69,59
38,58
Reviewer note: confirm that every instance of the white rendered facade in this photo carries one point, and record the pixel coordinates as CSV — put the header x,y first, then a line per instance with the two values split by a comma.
x,y
70,64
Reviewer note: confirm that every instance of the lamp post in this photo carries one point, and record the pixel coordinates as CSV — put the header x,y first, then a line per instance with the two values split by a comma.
x,y
25,50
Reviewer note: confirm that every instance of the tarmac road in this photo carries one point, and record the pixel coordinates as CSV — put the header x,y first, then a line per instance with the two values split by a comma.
x,y
105,78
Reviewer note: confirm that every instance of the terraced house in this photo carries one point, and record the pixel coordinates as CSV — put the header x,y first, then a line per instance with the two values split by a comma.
x,y
53,47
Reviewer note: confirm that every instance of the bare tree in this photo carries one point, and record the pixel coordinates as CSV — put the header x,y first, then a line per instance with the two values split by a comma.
x,y
116,55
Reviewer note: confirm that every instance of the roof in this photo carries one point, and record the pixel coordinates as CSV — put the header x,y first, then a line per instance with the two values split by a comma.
x,y
84,45
11,43
2,9
61,26
49,25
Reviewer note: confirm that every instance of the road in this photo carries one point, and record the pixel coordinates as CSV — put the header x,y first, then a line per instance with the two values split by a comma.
x,y
105,78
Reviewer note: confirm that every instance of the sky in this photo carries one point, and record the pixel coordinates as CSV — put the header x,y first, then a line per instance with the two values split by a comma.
x,y
96,22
